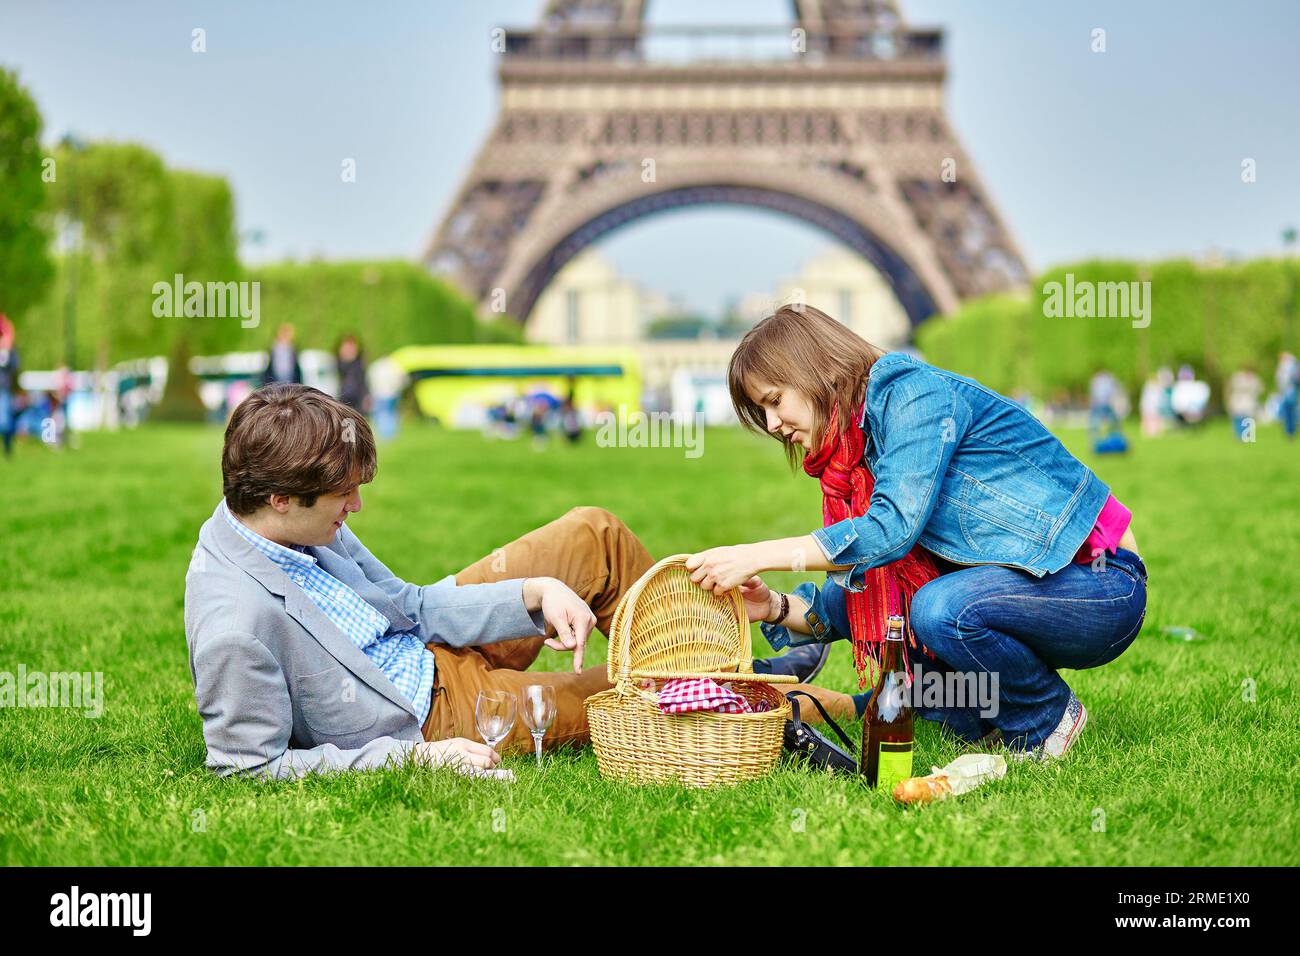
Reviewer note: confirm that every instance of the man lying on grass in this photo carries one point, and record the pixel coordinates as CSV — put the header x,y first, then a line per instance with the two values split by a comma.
x,y
308,654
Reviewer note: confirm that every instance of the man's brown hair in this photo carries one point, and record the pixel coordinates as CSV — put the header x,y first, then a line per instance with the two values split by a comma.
x,y
801,347
293,440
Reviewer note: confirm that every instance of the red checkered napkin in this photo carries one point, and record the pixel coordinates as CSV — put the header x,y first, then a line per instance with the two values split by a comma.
x,y
688,694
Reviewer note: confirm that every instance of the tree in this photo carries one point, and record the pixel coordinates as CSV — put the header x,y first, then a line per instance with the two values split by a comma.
x,y
676,327
25,264
180,399
206,251
734,326
122,197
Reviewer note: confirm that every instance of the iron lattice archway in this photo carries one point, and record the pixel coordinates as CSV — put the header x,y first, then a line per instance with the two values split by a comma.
x,y
912,295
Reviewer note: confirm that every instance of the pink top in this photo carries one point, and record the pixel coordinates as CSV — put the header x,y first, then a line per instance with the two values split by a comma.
x,y
1109,528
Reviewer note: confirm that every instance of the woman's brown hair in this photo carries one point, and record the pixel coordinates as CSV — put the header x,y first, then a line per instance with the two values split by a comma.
x,y
293,440
801,347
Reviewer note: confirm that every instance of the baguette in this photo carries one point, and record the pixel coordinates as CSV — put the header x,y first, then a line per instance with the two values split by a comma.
x,y
923,789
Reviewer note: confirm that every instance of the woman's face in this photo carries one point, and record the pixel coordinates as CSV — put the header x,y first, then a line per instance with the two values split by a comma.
x,y
788,410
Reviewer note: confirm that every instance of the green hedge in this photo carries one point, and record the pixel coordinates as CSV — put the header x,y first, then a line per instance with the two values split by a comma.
x,y
387,304
1215,319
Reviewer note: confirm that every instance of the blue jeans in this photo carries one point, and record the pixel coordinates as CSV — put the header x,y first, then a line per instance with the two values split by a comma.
x,y
386,417
8,420
1100,416
1005,622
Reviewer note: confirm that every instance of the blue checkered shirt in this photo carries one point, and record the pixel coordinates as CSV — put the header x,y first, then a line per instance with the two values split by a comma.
x,y
401,655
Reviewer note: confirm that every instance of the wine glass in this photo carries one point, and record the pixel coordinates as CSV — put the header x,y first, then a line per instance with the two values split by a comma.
x,y
494,713
539,711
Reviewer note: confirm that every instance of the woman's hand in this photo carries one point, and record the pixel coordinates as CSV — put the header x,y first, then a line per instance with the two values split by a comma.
x,y
758,599
721,569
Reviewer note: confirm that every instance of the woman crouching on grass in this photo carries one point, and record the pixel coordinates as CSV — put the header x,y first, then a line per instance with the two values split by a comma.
x,y
947,503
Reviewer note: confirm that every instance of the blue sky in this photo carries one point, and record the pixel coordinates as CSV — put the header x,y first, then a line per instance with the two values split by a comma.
x,y
1134,152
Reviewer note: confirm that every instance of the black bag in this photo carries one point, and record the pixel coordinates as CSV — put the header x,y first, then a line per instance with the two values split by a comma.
x,y
815,748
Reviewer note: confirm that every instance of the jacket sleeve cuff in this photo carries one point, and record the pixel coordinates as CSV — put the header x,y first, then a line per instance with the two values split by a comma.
x,y
836,541
850,579
525,623
779,636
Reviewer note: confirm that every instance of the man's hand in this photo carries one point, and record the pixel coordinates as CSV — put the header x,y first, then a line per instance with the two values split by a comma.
x,y
464,756
721,569
565,613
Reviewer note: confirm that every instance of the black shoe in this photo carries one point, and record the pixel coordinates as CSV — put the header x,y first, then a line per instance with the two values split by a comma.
x,y
988,742
804,662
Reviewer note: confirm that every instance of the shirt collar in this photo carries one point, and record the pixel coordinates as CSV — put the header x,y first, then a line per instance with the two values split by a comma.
x,y
290,559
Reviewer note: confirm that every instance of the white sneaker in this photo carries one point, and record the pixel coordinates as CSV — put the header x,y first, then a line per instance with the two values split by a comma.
x,y
1063,737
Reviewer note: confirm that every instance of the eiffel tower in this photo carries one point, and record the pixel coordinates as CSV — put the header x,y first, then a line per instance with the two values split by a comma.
x,y
837,121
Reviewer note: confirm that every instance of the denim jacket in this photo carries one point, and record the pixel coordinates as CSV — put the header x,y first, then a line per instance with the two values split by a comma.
x,y
968,474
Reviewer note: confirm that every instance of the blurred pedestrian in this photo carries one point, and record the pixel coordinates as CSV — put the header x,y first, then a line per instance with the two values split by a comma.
x,y
238,390
1103,391
1288,385
570,421
353,390
1151,406
1165,376
54,423
387,380
1104,395
8,383
283,364
1190,396
537,421
1244,389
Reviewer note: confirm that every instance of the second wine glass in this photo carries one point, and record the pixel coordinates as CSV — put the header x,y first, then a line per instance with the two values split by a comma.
x,y
539,712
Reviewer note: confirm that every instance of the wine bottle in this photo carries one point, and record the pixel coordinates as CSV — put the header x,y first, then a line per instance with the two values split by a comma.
x,y
887,724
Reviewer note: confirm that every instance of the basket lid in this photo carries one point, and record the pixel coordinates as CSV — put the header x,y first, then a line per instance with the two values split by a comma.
x,y
667,623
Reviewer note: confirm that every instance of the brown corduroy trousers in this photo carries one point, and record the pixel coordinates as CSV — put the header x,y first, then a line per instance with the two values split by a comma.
x,y
595,554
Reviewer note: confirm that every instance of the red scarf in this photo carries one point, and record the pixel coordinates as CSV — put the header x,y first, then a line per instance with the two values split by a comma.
x,y
846,493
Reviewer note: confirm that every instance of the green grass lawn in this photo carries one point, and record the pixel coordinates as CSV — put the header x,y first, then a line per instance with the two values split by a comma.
x,y
1177,765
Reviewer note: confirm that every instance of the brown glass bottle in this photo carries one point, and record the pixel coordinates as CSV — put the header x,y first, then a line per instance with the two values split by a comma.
x,y
887,724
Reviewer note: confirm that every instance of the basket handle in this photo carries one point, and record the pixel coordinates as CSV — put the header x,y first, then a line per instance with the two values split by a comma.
x,y
622,639
621,624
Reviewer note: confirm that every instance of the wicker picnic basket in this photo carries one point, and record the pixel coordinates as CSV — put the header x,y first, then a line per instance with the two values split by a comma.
x,y
667,627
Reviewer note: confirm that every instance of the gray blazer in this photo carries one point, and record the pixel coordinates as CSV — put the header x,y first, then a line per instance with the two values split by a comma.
x,y
281,690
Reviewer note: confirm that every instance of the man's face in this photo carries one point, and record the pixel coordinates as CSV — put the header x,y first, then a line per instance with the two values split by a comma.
x,y
317,525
